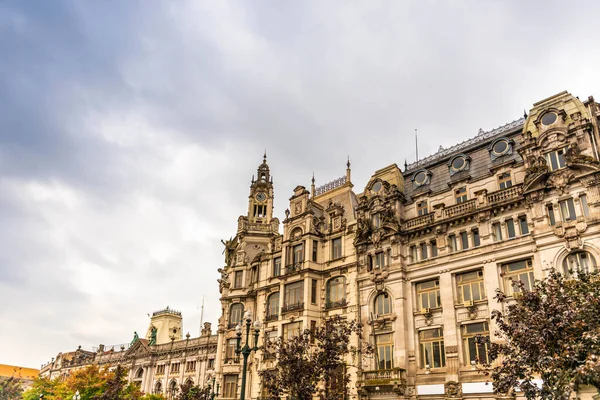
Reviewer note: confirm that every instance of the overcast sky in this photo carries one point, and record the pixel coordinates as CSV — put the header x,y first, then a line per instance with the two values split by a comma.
x,y
129,132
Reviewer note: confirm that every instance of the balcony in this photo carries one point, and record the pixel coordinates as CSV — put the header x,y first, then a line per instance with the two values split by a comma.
x,y
292,307
335,304
501,196
271,317
460,209
294,267
383,381
232,325
418,222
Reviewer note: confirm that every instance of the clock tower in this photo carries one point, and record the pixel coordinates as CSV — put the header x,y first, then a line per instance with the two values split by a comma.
x,y
260,201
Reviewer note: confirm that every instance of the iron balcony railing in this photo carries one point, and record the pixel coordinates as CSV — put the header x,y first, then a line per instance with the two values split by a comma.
x,y
294,267
271,317
292,307
334,304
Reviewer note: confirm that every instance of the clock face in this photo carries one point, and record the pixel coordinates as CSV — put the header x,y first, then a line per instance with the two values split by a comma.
x,y
261,196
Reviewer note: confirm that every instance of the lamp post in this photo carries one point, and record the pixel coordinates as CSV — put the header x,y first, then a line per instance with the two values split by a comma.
x,y
246,350
77,396
211,388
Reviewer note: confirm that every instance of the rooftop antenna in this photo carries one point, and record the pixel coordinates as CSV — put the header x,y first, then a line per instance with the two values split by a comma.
x,y
201,315
416,146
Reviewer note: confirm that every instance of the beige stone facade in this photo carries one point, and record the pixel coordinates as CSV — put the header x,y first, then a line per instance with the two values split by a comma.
x,y
418,255
156,365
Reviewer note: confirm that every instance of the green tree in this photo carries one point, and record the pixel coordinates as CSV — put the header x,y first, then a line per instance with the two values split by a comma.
x,y
550,333
50,388
314,362
189,391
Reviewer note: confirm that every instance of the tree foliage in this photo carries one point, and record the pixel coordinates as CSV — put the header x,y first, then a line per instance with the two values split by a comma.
x,y
189,391
314,362
92,382
10,389
550,333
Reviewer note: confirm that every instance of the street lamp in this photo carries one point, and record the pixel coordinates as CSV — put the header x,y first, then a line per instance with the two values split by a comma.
x,y
246,350
76,396
211,388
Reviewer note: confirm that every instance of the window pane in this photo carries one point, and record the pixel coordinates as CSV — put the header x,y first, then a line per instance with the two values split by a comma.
x,y
524,226
551,214
584,205
510,228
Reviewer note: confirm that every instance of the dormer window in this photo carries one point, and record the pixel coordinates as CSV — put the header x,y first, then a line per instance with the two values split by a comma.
x,y
421,177
458,164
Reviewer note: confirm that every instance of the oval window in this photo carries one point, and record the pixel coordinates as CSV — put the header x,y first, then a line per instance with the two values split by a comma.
x,y
421,178
459,163
500,147
376,187
549,118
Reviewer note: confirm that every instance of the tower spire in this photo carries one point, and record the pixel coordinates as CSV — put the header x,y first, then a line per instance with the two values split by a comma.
x,y
312,186
348,180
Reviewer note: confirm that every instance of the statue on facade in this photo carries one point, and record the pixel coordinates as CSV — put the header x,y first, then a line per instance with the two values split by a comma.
x,y
538,166
362,231
573,156
224,281
153,333
229,251
135,338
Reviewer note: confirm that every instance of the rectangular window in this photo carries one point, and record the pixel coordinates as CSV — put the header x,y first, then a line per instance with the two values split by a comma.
x,y
422,208
298,253
414,254
431,347
230,386
567,210
211,363
270,342
238,282
174,368
515,272
376,221
584,205
476,239
470,286
423,251
428,294
452,243
523,225
385,351
160,370
315,250
291,330
313,329
434,251
475,352
551,217
379,260
460,195
294,294
556,159
230,350
464,240
497,229
190,366
504,180
313,291
336,248
510,228
277,266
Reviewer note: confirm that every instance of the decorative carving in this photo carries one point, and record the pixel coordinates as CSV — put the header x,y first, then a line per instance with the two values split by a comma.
x,y
537,168
453,390
224,281
560,180
363,231
573,156
298,208
230,248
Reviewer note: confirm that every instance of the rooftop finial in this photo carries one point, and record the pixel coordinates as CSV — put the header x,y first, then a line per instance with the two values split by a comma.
x,y
348,163
265,156
524,113
405,165
313,178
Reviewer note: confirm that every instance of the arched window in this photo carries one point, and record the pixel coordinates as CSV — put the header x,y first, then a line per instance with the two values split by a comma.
x,y
579,261
158,388
383,304
235,314
273,307
336,292
189,382
173,388
140,373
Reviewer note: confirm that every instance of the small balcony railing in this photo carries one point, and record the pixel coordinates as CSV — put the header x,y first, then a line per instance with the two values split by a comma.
x,y
294,267
334,304
292,307
460,208
500,196
422,220
232,325
271,317
382,376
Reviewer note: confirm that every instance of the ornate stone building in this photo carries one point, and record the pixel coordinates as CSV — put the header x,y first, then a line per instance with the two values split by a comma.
x,y
418,255
158,363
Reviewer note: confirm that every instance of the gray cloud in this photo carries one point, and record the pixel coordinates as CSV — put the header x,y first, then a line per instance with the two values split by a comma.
x,y
129,132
